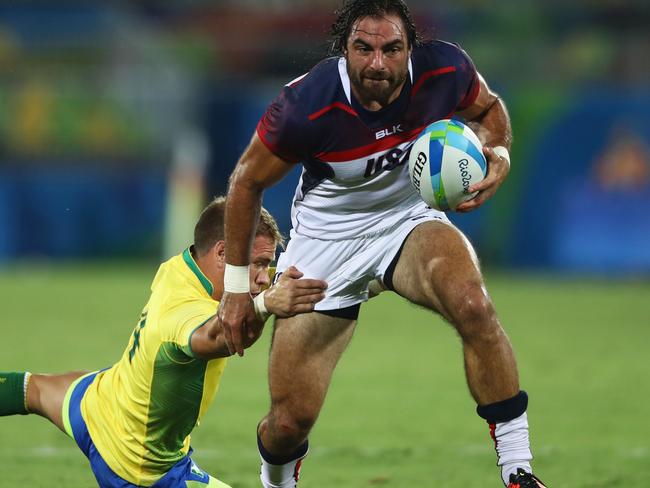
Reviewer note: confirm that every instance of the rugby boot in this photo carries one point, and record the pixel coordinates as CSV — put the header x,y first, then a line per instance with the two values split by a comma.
x,y
522,479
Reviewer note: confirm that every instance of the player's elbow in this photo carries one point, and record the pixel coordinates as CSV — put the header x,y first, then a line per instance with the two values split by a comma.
x,y
240,177
208,342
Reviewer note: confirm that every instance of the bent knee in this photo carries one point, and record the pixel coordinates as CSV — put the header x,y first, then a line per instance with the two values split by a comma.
x,y
290,423
473,313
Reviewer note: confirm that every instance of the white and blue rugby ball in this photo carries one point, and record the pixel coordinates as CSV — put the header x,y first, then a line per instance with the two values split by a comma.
x,y
445,160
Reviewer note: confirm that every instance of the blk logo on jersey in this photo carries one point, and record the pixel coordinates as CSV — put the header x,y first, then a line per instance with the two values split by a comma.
x,y
388,132
388,161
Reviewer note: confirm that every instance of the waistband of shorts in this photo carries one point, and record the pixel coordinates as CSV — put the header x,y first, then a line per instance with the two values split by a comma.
x,y
417,212
369,235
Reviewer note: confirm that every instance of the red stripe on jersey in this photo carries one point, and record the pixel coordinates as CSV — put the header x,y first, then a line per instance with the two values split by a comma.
x,y
338,105
428,74
359,152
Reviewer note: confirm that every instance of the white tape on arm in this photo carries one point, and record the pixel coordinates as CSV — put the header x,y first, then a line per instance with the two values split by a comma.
x,y
236,279
502,152
260,307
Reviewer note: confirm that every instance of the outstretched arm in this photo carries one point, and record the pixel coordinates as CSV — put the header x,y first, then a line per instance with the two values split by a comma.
x,y
489,118
257,169
289,296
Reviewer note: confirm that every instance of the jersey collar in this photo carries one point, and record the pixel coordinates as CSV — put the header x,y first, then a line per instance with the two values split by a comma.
x,y
189,260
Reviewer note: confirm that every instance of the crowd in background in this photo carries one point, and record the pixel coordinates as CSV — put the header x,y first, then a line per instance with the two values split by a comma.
x,y
106,93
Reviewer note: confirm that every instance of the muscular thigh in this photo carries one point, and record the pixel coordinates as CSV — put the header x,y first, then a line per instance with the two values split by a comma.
x,y
304,353
436,264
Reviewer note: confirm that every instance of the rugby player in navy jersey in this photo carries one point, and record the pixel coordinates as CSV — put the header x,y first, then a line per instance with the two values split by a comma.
x,y
351,122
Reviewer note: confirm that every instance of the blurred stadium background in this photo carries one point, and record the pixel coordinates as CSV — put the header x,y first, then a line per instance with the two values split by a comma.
x,y
113,111
119,120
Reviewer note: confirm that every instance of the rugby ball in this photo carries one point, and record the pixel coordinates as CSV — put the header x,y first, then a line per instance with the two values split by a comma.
x,y
445,160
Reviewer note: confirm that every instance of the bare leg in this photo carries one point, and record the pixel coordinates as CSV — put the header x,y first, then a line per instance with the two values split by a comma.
x,y
439,270
304,353
45,395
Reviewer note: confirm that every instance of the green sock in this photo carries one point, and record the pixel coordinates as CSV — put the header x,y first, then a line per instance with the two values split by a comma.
x,y
12,394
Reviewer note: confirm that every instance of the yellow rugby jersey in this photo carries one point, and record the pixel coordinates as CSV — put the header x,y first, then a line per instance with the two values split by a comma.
x,y
141,411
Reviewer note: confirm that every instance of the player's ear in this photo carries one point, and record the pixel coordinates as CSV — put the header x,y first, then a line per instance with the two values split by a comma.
x,y
344,48
219,252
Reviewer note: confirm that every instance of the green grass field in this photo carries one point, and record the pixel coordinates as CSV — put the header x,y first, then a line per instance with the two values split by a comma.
x,y
398,413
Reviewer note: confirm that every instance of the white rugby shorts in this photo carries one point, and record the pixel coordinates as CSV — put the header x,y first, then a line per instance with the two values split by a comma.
x,y
348,265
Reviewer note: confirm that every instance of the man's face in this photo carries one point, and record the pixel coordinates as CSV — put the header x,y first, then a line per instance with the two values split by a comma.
x,y
261,257
377,56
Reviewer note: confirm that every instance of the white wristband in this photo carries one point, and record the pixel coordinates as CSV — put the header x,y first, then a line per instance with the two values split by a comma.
x,y
260,307
236,279
502,152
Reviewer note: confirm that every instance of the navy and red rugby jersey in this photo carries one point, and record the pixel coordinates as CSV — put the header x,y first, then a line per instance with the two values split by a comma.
x,y
355,162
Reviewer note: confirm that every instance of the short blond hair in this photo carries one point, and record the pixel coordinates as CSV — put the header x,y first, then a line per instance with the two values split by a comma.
x,y
210,227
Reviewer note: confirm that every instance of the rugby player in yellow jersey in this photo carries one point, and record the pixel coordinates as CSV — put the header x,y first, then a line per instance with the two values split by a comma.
x,y
133,420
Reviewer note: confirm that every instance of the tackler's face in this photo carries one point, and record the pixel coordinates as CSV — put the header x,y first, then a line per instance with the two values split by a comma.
x,y
262,255
377,54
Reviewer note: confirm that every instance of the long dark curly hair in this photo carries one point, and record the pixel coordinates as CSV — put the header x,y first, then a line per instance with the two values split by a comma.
x,y
352,10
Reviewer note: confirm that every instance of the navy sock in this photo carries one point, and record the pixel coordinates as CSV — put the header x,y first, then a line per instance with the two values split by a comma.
x,y
505,410
270,458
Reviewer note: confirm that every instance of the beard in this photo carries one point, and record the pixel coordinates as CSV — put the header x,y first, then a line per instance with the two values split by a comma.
x,y
377,86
